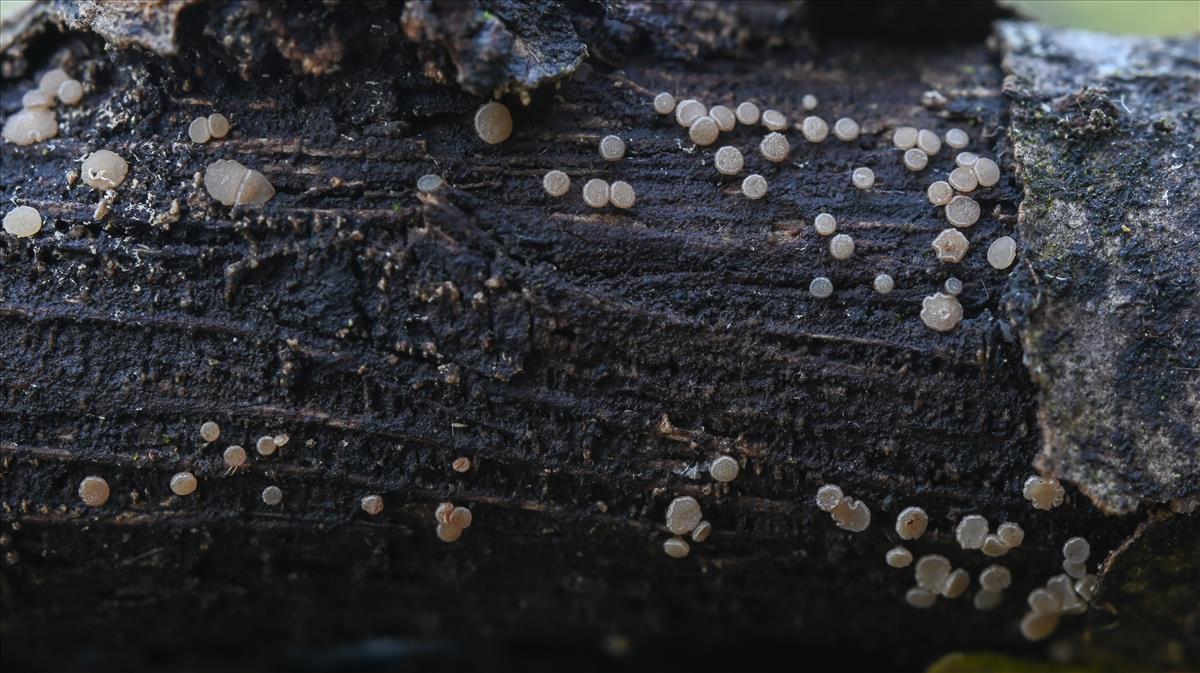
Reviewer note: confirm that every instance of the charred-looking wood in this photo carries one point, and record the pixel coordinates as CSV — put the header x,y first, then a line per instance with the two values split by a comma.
x,y
589,364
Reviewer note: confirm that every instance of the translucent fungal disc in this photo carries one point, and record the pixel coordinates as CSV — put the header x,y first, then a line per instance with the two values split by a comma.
x,y
956,583
493,123
198,131
1076,549
183,483
266,445
218,125
689,111
846,129
676,547
950,246
30,126
963,179
621,194
995,578
828,497
971,531
234,456
1011,534
965,159
1086,587
993,546
1074,569
987,600
957,138
1002,252
51,80
612,148
841,246
441,514
371,504
1043,493
825,224
448,533
104,170
899,557
928,142
596,193
702,531
93,491
430,182
941,312
911,523
1036,626
556,183
940,193
754,186
920,597
856,516
915,160
704,131
23,222
931,571
1063,588
986,172
724,117
904,137
683,514
747,113
774,120
724,469
272,495
231,183
863,178
774,147
953,286
815,129
809,102
664,103
210,431
461,464
884,284
820,287
1043,602
459,517
729,160
36,99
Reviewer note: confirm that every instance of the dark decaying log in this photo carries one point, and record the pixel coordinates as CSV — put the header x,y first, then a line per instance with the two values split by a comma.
x,y
589,362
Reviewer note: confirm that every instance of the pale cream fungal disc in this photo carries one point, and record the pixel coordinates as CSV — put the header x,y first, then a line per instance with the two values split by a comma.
x,y
430,182
953,286
724,469
612,148
956,584
856,517
556,183
995,578
841,246
702,531
820,287
1043,602
898,557
957,138
747,113
920,597
689,111
963,179
218,125
884,284
911,523
51,80
1043,493
441,514
941,312
664,103
448,533
683,514
461,464
987,600
729,160
828,497
971,531
815,129
915,160
846,129
1076,549
1037,627
210,431
183,483
281,439
825,224
1011,534
231,183
774,120
621,194
774,147
493,123
754,186
940,193
36,98
987,173
234,456
904,137
993,546
272,495
950,246
928,142
1074,569
30,126
863,177
1002,252
93,491
962,211
809,102
23,221
266,445
459,517
676,547
198,131
371,504
965,159
704,131
256,190
1086,587
70,92
1063,588
596,193
104,170
723,116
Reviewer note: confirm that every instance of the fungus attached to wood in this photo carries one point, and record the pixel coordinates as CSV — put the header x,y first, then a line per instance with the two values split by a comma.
x,y
774,120
234,456
70,92
1076,549
729,160
596,193
1045,494
953,286
218,125
493,123
23,221
754,187
863,177
447,533
1035,626
724,468
461,464
911,523
852,515
198,131
701,532
723,116
950,246
841,246
703,131
962,211
965,159
272,495
884,283
931,571
987,600
809,102
556,183
266,445
210,431
957,138
920,597
774,147
904,138
940,193
93,491
430,182
820,287
231,183
747,113
104,170
993,546
828,497
898,557
928,142
676,547
995,578
1002,252
612,148
621,195
664,103
963,179
825,224
846,129
941,312
31,125
183,483
956,584
1011,534
987,173
971,532
460,517
815,129
683,514
915,160
688,111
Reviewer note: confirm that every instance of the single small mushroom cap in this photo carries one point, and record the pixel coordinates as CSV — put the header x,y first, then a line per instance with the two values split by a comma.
x,y
688,111
828,497
210,431
994,546
940,193
430,182
754,186
1074,569
93,491
612,148
556,183
266,445
198,131
950,246
272,495
676,547
820,287
846,129
664,103
726,120
703,131
51,80
898,557
956,584
621,194
31,125
1002,252
1043,602
884,283
183,483
596,193
963,179
911,523
971,532
70,92
815,129
747,113
841,246
1076,549
461,464
729,160
448,533
234,456
928,142
986,172
1011,534
957,138
995,578
931,571
809,102
920,597
683,514
1037,627
987,600
965,159
904,137
371,504
774,120
863,177
493,123
825,224
774,147
23,221
915,160
724,468
218,125
459,517
941,312
1043,493
701,532
104,170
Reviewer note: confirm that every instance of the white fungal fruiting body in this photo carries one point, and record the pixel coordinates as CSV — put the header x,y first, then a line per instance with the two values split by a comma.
x,y
920,597
1086,587
1076,549
884,284
210,431
272,495
688,111
1043,602
957,138
809,102
371,504
1063,588
963,179
51,80
430,182
198,131
928,142
841,246
825,224
183,483
231,183
36,99
556,183
747,113
441,514
863,177
461,464
957,582
23,221
447,533
846,129
950,246
941,312
904,137
724,469
965,159
612,148
596,193
940,193
820,287
234,456
729,160
493,123
1075,569
815,129
915,160
774,147
987,173
1002,252
701,532
104,170
723,116
754,187
460,517
70,92
953,286
1011,534
218,125
1036,626
995,578
1044,494
31,125
828,497
774,120
931,571
664,103
899,557
281,439
971,531
676,547
93,491
993,546
266,445
852,515
911,523
987,600
621,195
683,514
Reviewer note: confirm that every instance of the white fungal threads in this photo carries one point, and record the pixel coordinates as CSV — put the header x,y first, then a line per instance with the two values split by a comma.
x,y
898,557
754,186
809,102
683,515
202,129
815,129
825,224
828,497
995,578
963,179
956,583
986,172
931,571
596,193
919,597
911,523
841,246
612,148
93,491
940,193
971,531
941,312
493,123
231,183
928,142
272,495
23,222
556,183
70,92
104,170
704,131
904,137
846,129
884,284
950,246
210,431
664,103
724,469
183,483
688,111
701,532
723,116
774,147
729,160
1043,493
965,159
747,113
774,120
373,504
676,547
1011,534
957,138
1002,252
32,125
1077,550
863,177
265,445
962,211
820,287
915,160
234,456
953,286
621,195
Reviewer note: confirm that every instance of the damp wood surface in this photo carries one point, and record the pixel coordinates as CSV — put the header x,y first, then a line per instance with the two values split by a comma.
x,y
589,362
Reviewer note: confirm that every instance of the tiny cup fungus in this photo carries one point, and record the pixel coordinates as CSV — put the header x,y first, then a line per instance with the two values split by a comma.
x,y
218,125
898,557
1043,602
198,131
683,515
1086,587
272,495
430,182
231,183
995,578
957,138
234,456
1002,252
556,183
701,532
987,600
36,98
941,312
915,160
956,584
931,571
52,79
704,131
23,221
729,160
747,113
965,159
987,173
441,514
1063,588
852,515
104,170
963,179
183,483
754,186
612,148
70,92
841,246
31,125
815,129
950,246
904,138
911,523
940,193
461,464
928,142
688,111
1076,549
266,445
1043,493
919,597
724,469
723,116
664,103
1074,569
621,195
825,224
820,287
863,177
93,491
676,547
596,193
846,129
828,497
1011,534
993,546
1037,627
459,517
281,439
774,147
210,431
774,120
971,532
447,533
884,284
809,102
371,504
953,286
493,123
